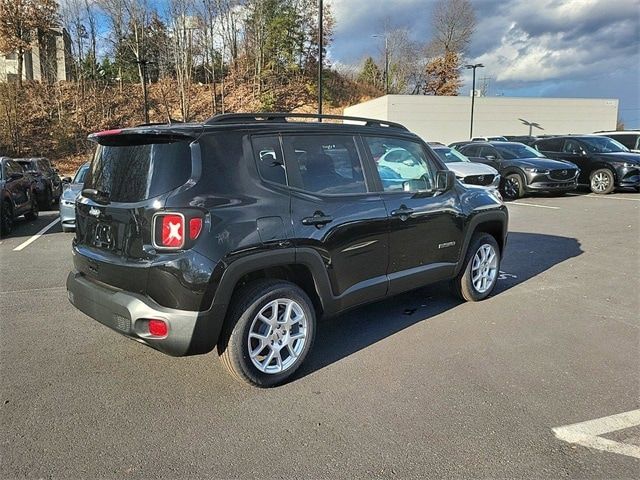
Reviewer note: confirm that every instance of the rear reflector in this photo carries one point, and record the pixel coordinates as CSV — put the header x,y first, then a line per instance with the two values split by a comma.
x,y
195,227
158,328
171,230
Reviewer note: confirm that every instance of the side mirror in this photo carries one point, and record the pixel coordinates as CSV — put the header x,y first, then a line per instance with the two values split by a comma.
x,y
66,179
445,180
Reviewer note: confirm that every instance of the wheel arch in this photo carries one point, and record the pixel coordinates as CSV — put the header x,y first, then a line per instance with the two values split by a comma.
x,y
495,223
304,269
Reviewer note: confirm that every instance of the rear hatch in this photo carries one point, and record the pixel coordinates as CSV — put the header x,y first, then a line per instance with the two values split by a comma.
x,y
129,179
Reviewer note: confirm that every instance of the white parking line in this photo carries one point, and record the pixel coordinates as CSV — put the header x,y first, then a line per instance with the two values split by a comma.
x,y
588,433
533,205
36,236
604,197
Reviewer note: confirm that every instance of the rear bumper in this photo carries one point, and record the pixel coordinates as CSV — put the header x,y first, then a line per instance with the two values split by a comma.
x,y
190,332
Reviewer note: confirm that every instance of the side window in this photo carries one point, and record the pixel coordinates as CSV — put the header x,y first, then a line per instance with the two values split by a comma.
x,y
571,146
324,164
12,167
628,141
269,159
43,166
551,145
401,164
470,150
489,152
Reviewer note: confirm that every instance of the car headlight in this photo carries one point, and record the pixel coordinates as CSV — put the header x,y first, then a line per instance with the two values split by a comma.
x,y
536,170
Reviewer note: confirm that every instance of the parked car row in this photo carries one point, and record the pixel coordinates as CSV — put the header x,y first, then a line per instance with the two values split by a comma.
x,y
27,186
559,164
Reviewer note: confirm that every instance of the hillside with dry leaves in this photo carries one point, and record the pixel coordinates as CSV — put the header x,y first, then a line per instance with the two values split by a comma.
x,y
54,120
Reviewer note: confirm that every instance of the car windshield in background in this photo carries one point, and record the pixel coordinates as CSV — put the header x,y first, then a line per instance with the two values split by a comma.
x,y
449,155
603,145
517,150
79,178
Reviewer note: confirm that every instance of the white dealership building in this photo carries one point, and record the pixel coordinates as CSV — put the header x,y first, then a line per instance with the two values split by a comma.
x,y
447,119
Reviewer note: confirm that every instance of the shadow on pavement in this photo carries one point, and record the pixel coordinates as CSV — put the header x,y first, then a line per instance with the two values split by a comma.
x,y
527,255
25,228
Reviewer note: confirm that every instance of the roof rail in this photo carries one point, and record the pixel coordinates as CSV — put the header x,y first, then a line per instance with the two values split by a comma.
x,y
281,117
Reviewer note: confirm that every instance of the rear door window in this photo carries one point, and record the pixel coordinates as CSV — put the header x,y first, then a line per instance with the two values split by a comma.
x,y
324,164
550,145
132,173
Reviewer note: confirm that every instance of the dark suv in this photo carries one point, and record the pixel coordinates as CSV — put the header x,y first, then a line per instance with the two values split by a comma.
x,y
523,169
240,232
604,163
17,195
47,180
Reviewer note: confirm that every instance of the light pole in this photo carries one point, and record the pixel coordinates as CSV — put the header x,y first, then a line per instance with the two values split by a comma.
x,y
473,93
386,61
320,42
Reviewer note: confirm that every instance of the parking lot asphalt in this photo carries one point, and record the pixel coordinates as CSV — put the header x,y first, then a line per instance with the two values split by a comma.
x,y
420,385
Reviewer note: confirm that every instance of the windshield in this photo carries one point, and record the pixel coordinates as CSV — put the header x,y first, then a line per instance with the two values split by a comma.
x,y
603,145
80,174
512,151
449,155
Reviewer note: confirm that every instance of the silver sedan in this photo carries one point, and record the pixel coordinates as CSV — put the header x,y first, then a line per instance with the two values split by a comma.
x,y
68,199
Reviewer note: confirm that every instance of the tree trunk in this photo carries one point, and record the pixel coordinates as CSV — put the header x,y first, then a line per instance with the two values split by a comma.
x,y
20,54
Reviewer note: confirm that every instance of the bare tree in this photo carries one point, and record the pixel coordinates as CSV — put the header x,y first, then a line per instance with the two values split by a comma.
x,y
129,20
454,22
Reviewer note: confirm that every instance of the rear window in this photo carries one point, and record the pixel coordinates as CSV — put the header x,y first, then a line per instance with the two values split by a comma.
x,y
132,173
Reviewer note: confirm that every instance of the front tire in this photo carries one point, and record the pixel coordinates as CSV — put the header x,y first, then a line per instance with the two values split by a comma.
x,y
602,181
268,333
480,271
513,186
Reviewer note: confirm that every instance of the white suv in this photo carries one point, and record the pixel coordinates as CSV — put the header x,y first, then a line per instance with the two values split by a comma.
x,y
628,138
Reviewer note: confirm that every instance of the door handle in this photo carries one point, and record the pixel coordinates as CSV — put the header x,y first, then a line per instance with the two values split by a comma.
x,y
403,212
318,219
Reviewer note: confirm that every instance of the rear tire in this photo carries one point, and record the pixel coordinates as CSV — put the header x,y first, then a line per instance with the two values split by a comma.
x,y
33,214
513,186
48,199
480,271
268,332
6,219
602,181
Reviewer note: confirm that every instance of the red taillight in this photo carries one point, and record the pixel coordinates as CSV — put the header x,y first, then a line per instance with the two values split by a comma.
x,y
158,328
171,230
195,227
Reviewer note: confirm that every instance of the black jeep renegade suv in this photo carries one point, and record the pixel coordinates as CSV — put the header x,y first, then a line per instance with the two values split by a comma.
x,y
242,231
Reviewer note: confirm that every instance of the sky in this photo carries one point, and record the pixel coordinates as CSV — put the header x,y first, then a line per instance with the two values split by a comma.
x,y
545,48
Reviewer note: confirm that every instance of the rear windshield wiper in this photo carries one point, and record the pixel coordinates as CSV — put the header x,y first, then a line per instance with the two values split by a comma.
x,y
99,196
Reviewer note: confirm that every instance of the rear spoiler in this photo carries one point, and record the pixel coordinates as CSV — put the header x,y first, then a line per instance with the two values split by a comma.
x,y
145,135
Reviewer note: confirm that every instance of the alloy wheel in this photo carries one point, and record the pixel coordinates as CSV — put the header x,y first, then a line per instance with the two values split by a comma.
x,y
484,268
600,182
511,187
277,336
